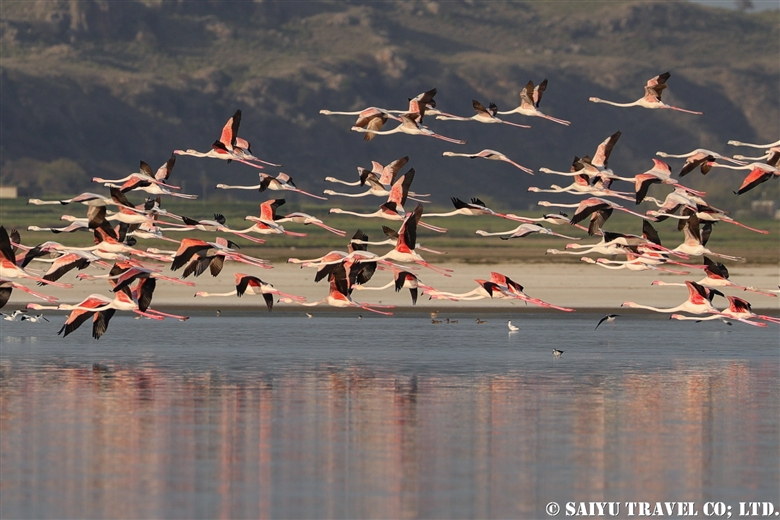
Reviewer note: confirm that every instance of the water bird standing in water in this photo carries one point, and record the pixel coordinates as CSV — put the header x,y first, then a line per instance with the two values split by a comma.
x,y
512,328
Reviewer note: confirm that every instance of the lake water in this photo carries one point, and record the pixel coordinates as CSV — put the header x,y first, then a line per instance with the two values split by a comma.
x,y
281,416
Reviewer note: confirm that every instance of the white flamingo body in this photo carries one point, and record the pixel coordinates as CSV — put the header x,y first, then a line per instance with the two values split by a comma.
x,y
652,97
491,155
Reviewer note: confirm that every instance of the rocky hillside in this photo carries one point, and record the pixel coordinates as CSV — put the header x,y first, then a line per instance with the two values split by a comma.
x,y
90,87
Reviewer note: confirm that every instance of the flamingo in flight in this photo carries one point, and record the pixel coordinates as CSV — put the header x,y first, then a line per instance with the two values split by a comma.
x,y
404,250
229,147
709,214
370,119
717,275
7,287
652,97
699,158
392,239
401,280
530,98
633,262
338,295
393,209
739,310
591,205
9,269
483,115
695,241
598,165
771,156
474,208
699,301
410,125
751,145
384,174
147,175
523,230
491,155
267,182
247,284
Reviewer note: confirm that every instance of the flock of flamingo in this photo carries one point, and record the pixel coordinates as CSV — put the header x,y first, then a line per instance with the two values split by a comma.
x,y
133,273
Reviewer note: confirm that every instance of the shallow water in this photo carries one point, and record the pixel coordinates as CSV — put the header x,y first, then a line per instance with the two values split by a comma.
x,y
280,416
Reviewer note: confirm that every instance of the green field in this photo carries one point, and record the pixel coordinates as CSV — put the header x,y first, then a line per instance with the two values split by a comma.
x,y
460,241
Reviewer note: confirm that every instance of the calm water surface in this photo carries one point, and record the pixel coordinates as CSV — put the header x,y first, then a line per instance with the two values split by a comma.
x,y
333,417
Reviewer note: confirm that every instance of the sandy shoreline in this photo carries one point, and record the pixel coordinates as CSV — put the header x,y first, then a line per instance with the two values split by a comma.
x,y
568,285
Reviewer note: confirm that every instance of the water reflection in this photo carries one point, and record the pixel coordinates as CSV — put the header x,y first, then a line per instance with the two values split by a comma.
x,y
352,439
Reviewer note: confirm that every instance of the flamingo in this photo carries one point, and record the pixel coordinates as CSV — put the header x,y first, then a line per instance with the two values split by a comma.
x,y
229,147
523,230
591,205
582,186
597,165
401,280
218,224
404,251
384,174
750,145
652,97
410,125
695,241
530,98
98,307
149,187
483,115
739,310
491,155
757,175
338,295
632,263
392,239
281,182
393,208
369,119
699,158
147,175
474,208
375,188
266,224
9,269
515,290
698,302
7,287
306,219
771,156
88,199
247,284
717,275
201,254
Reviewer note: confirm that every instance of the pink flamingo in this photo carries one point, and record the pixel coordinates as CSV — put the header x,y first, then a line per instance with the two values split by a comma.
x,y
530,98
652,97
410,125
490,155
247,284
483,115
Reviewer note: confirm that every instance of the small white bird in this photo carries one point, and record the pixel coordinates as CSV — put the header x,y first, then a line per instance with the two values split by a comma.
x,y
512,328
12,316
557,353
309,315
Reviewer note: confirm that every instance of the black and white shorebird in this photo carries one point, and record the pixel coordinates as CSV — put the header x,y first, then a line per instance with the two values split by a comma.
x,y
34,319
557,353
13,315
609,318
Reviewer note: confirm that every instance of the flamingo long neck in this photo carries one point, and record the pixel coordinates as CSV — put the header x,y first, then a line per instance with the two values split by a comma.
x,y
386,286
615,104
208,294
